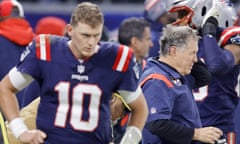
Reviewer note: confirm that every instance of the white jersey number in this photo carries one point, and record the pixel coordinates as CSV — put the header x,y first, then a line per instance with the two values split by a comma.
x,y
203,91
201,94
79,92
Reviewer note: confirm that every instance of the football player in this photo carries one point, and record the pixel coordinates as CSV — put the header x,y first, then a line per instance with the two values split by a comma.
x,y
77,78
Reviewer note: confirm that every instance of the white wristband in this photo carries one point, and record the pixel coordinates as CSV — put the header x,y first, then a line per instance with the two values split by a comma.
x,y
17,126
133,135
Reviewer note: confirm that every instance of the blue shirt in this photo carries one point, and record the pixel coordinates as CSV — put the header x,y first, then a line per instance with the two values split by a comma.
x,y
218,101
75,95
169,96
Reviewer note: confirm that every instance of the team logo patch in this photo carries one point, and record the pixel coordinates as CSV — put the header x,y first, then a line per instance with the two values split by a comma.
x,y
81,69
177,82
153,110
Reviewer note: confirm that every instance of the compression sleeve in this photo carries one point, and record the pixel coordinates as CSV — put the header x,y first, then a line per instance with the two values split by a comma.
x,y
171,131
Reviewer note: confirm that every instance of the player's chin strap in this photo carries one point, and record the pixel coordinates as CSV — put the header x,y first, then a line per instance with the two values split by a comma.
x,y
133,135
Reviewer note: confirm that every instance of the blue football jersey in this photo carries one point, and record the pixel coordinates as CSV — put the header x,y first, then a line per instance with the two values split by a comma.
x,y
237,122
75,94
168,96
218,100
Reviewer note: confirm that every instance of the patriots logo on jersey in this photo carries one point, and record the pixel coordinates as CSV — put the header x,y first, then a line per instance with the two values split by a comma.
x,y
153,110
81,68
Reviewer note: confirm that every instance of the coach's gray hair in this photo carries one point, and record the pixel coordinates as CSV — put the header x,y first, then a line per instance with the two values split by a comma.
x,y
176,36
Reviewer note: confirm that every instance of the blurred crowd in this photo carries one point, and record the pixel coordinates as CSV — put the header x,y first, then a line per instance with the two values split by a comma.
x,y
94,1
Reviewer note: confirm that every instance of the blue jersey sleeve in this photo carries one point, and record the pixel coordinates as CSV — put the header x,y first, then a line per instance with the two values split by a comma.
x,y
159,99
122,60
218,60
29,63
129,79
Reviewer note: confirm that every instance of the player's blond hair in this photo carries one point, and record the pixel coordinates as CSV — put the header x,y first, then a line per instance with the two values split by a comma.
x,y
87,13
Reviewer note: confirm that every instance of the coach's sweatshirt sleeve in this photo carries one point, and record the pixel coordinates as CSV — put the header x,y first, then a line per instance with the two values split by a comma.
x,y
171,132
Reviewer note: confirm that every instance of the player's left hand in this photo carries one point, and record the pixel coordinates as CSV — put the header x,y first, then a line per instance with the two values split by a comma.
x,y
33,137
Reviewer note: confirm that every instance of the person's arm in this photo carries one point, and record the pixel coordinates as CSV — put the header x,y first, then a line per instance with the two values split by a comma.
x,y
218,60
139,113
175,133
171,131
9,86
28,113
8,104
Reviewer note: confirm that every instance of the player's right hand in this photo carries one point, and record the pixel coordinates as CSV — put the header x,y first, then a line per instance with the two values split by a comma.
x,y
210,27
33,137
207,134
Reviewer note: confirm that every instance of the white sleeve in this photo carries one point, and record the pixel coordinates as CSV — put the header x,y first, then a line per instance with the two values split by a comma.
x,y
18,79
130,96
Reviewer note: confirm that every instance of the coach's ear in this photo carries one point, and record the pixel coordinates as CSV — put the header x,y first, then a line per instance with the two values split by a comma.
x,y
69,29
133,41
172,50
